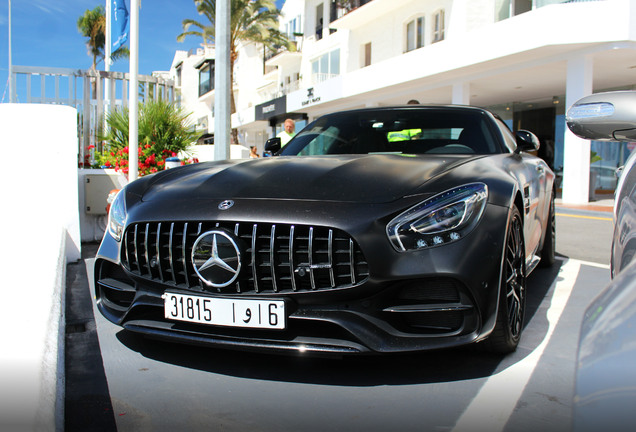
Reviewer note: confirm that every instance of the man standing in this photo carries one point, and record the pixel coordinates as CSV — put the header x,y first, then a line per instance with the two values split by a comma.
x,y
288,133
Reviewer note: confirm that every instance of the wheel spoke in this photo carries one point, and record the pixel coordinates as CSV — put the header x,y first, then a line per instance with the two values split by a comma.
x,y
515,278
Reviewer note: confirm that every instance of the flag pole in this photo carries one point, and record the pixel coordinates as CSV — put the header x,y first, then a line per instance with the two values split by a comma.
x,y
133,143
107,51
222,84
10,61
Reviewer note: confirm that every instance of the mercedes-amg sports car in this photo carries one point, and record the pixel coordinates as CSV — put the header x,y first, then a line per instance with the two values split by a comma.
x,y
393,229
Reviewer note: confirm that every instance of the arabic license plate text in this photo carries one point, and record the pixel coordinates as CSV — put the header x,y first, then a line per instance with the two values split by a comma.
x,y
269,314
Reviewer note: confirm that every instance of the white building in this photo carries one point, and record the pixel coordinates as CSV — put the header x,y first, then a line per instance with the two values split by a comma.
x,y
527,60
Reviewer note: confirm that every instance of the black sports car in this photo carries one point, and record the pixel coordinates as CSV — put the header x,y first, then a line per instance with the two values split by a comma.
x,y
376,230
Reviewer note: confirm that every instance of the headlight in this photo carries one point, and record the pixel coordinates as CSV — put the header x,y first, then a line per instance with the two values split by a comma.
x,y
117,216
442,219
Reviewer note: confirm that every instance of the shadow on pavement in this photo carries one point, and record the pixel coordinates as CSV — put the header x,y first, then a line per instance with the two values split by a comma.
x,y
398,369
87,399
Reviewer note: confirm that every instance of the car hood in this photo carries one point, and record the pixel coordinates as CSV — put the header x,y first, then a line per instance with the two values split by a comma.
x,y
357,178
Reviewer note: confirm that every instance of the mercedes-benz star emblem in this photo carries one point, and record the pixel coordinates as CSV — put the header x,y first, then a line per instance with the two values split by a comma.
x,y
216,258
226,204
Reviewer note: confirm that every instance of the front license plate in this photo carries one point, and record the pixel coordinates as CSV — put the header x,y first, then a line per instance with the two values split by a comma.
x,y
269,314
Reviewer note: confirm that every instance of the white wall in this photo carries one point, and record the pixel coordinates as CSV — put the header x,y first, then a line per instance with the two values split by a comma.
x,y
40,234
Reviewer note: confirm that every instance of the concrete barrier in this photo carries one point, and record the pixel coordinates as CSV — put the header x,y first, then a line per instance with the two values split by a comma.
x,y
40,225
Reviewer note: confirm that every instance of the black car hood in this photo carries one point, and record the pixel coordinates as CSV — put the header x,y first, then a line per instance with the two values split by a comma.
x,y
352,178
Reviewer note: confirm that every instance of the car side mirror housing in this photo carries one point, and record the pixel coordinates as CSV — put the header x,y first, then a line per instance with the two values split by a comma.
x,y
609,116
526,141
273,145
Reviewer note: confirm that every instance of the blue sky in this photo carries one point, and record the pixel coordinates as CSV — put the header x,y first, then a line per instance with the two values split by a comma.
x,y
44,33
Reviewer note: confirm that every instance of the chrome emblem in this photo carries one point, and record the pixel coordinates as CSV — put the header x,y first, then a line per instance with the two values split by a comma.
x,y
226,204
216,258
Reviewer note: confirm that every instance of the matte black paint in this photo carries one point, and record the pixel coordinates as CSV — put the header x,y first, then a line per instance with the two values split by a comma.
x,y
358,194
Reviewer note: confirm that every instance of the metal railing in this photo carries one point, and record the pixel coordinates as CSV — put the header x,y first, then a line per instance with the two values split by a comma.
x,y
92,93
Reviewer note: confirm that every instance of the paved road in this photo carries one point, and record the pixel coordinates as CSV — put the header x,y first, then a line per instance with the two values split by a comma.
x,y
143,385
584,235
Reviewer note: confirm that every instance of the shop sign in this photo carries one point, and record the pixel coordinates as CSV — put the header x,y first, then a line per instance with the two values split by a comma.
x,y
311,98
319,93
272,108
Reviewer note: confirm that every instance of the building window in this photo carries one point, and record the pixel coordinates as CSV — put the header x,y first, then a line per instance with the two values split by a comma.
x,y
438,26
294,27
319,21
178,77
367,55
206,77
326,66
415,34
505,9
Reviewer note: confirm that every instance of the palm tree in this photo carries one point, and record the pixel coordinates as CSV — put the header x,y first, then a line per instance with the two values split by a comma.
x,y
250,21
93,26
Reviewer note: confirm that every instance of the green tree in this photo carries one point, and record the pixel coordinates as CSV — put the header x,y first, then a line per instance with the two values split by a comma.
x,y
92,25
250,21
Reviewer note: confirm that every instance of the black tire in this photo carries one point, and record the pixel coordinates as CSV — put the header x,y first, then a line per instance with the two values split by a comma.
x,y
512,291
548,251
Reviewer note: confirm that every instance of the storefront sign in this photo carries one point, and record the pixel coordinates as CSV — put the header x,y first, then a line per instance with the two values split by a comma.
x,y
311,98
317,94
272,108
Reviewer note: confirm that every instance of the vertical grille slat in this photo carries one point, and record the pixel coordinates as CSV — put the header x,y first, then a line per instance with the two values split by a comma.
x,y
184,253
330,252
158,253
310,253
291,259
272,258
352,263
253,263
277,258
170,253
136,251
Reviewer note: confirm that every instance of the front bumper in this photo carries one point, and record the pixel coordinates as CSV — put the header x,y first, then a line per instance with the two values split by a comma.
x,y
398,302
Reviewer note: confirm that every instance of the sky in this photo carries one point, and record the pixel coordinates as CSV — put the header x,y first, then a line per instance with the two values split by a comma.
x,y
44,34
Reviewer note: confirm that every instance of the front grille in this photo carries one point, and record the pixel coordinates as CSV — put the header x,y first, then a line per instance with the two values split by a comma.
x,y
276,258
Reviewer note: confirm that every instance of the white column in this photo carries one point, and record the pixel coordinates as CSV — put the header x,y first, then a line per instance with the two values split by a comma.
x,y
576,151
222,84
133,98
461,93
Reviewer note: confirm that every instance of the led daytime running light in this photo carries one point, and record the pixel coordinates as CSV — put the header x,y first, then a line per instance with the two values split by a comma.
x,y
442,219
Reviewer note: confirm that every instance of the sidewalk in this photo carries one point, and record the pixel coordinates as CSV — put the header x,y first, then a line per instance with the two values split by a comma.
x,y
603,205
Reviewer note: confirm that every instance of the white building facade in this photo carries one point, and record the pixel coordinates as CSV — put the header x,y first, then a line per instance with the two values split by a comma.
x,y
526,60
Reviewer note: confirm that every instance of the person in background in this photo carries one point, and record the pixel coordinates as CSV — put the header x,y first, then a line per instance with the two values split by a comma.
x,y
405,134
288,133
253,153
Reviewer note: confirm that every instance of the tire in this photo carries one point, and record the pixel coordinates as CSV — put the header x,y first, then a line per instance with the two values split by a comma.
x,y
548,251
512,291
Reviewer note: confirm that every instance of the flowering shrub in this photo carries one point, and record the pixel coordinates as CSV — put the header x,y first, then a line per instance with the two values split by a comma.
x,y
162,133
148,161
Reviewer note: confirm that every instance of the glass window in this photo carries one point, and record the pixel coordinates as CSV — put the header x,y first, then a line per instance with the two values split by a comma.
x,y
334,62
326,66
420,32
206,78
438,26
367,55
410,36
415,34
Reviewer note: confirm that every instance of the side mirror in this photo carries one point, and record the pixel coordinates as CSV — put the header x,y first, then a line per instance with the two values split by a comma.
x,y
273,145
526,141
609,116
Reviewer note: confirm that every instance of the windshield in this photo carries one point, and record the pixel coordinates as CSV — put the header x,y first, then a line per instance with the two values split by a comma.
x,y
396,131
